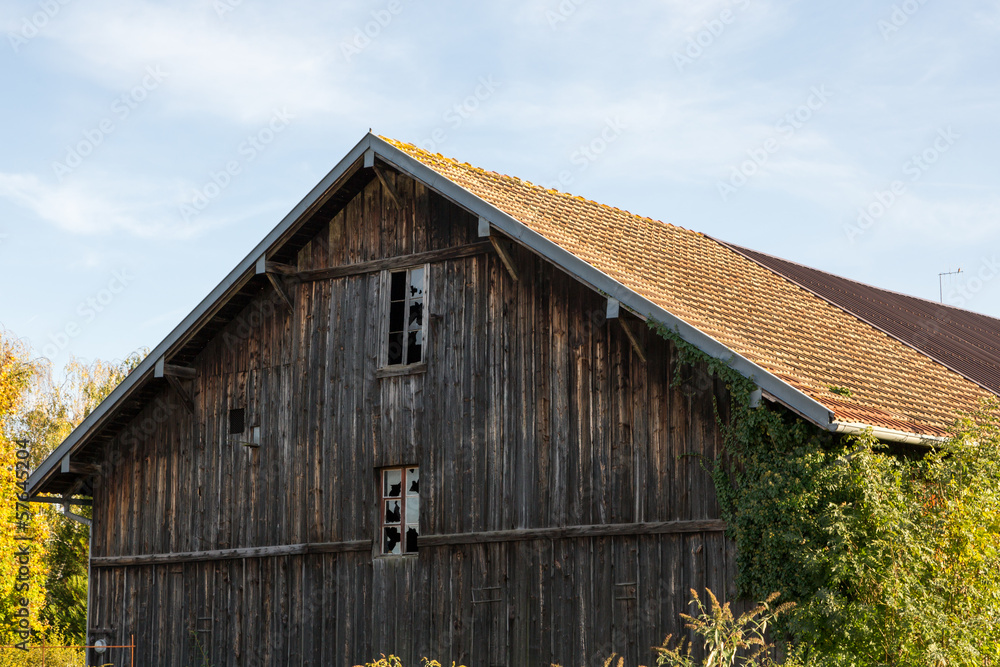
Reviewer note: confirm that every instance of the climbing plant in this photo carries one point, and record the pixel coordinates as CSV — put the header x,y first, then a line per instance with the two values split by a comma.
x,y
891,558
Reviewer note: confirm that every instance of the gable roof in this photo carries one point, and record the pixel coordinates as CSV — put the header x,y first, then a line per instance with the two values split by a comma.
x,y
793,344
966,342
811,344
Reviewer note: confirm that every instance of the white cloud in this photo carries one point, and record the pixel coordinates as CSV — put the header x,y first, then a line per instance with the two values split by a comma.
x,y
236,66
106,205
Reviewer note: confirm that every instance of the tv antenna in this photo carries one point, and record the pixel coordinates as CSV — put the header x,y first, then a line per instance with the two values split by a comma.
x,y
941,281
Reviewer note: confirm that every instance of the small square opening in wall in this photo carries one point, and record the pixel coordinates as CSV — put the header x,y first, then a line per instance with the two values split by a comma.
x,y
237,421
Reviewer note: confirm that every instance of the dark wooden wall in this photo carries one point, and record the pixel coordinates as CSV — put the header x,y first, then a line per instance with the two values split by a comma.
x,y
533,413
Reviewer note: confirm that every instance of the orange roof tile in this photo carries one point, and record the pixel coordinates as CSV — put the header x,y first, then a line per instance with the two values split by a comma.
x,y
797,336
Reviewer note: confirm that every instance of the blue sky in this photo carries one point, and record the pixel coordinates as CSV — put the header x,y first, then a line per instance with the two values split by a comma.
x,y
857,137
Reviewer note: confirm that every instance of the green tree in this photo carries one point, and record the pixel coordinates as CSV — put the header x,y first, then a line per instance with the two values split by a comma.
x,y
892,555
39,413
19,588
893,559
55,410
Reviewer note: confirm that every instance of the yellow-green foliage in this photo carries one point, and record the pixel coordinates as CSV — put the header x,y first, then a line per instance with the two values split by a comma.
x,y
35,410
728,640
892,556
36,657
393,661
16,375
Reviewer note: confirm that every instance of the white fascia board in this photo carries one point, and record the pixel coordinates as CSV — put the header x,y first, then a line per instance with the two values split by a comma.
x,y
887,434
236,279
810,408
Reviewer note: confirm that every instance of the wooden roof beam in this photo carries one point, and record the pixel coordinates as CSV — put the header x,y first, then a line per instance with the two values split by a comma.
x,y
388,187
185,395
165,370
614,312
56,500
274,272
636,347
485,231
174,375
370,164
67,507
68,467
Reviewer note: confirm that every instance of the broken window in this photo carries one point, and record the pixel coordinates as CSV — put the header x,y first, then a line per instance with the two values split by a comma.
x,y
406,332
400,510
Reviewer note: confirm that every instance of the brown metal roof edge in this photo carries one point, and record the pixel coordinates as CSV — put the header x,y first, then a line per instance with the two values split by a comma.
x,y
740,251
936,304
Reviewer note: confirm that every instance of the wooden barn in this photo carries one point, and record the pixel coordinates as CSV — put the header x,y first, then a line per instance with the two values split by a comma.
x,y
427,415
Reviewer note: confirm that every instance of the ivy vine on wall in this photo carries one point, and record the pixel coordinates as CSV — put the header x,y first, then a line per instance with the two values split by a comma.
x,y
892,556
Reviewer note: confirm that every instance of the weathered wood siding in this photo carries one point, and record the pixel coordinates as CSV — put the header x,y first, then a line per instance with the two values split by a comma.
x,y
534,412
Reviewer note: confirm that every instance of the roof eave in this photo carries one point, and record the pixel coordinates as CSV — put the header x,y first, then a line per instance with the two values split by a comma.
x,y
238,277
805,405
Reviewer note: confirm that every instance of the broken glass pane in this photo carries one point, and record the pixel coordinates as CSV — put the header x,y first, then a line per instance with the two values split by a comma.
x,y
416,320
412,510
392,511
392,484
414,352
416,283
412,481
397,291
411,539
390,541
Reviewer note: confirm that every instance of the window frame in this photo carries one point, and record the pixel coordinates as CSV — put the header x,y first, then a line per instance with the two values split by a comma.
x,y
403,525
385,315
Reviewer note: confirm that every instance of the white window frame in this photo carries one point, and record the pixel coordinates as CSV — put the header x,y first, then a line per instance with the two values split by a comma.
x,y
386,308
404,500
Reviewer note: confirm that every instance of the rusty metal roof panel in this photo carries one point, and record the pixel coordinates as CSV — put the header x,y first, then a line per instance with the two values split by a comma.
x,y
964,341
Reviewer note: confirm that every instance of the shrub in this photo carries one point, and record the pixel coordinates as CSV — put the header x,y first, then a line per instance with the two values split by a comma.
x,y
727,640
